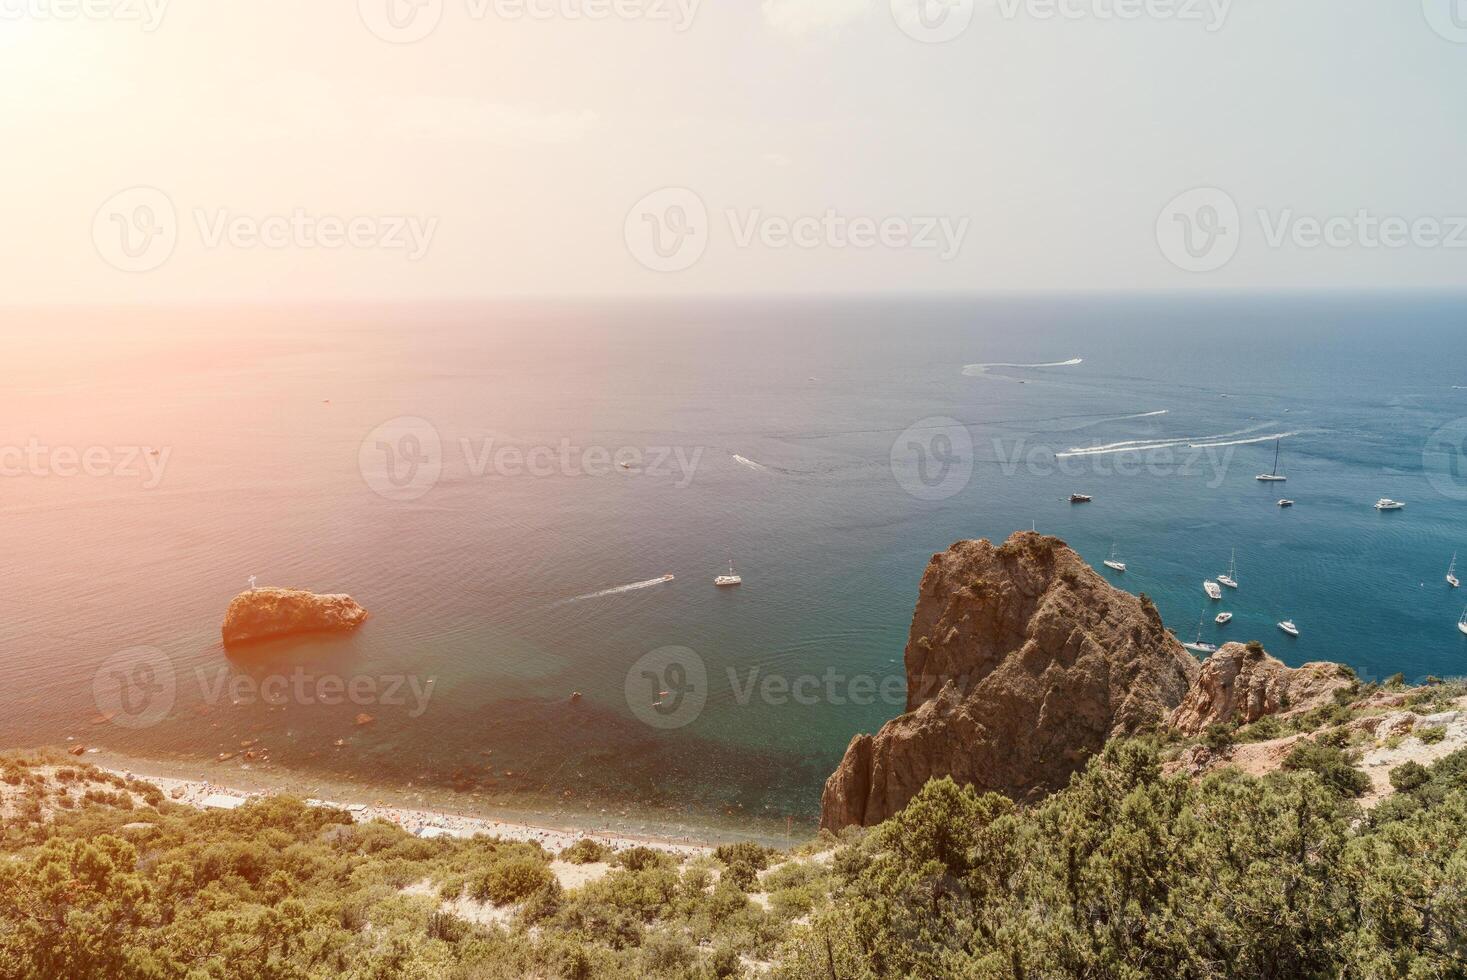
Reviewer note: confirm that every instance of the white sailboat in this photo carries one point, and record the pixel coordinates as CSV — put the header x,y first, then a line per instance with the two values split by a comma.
x,y
1213,590
1197,646
1273,477
1112,561
1462,623
732,578
1229,579
1452,573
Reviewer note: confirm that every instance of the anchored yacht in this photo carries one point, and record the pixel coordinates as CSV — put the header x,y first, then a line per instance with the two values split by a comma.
x,y
1288,627
1213,590
732,578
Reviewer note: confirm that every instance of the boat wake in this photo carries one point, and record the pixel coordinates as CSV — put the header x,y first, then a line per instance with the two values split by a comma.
x,y
973,370
618,590
746,461
1189,442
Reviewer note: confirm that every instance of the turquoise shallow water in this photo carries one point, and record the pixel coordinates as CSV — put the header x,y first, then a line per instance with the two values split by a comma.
x,y
475,583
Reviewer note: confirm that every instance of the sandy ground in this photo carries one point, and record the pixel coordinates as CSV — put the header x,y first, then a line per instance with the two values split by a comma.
x,y
193,791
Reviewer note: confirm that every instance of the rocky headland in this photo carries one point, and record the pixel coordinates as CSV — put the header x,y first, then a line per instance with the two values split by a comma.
x,y
1021,663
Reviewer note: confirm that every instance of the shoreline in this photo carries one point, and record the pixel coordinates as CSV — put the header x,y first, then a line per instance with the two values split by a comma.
x,y
418,810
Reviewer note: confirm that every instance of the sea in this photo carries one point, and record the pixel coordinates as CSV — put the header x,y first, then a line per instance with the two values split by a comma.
x,y
505,488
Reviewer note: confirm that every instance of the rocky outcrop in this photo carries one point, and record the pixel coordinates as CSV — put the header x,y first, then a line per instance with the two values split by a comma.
x,y
1243,684
264,614
1021,662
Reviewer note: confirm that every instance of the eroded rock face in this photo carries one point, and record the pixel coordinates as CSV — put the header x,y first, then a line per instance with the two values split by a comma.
x,y
1021,662
1242,685
263,614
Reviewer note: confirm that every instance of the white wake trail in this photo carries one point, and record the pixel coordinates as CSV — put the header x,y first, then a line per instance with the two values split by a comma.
x,y
618,590
746,461
973,370
1147,445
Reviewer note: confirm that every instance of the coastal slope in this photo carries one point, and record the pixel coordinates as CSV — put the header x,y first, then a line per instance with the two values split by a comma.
x,y
1021,663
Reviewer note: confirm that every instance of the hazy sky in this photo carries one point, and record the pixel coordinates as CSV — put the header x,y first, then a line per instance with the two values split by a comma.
x,y
786,145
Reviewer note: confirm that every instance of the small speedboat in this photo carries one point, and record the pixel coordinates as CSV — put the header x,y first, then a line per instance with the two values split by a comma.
x,y
1286,502
1386,503
1223,619
668,577
732,578
1080,498
1213,590
1288,627
1112,562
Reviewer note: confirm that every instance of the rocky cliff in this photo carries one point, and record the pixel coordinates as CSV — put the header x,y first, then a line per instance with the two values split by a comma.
x,y
1243,683
1021,662
262,614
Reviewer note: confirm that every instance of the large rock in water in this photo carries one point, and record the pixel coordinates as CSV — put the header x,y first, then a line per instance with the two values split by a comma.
x,y
1021,663
1243,684
263,614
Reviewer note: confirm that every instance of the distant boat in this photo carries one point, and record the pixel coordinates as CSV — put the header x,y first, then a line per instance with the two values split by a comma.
x,y
1452,573
1228,579
1080,498
1273,477
1462,623
1286,502
1197,646
1223,618
732,578
1111,562
1288,627
1386,503
668,577
1213,590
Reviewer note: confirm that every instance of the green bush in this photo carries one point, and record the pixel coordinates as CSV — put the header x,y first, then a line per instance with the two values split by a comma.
x,y
1330,764
1408,776
509,880
584,851
1430,734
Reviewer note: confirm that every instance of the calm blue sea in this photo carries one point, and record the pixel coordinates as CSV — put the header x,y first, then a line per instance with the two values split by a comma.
x,y
791,431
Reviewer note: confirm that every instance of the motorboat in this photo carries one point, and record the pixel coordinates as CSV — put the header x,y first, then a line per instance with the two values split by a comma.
x,y
1273,477
732,578
1080,498
1286,502
1223,618
1213,590
1386,503
1288,627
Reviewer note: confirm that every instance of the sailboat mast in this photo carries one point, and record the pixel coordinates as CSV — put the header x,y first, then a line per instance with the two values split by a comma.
x,y
1277,445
